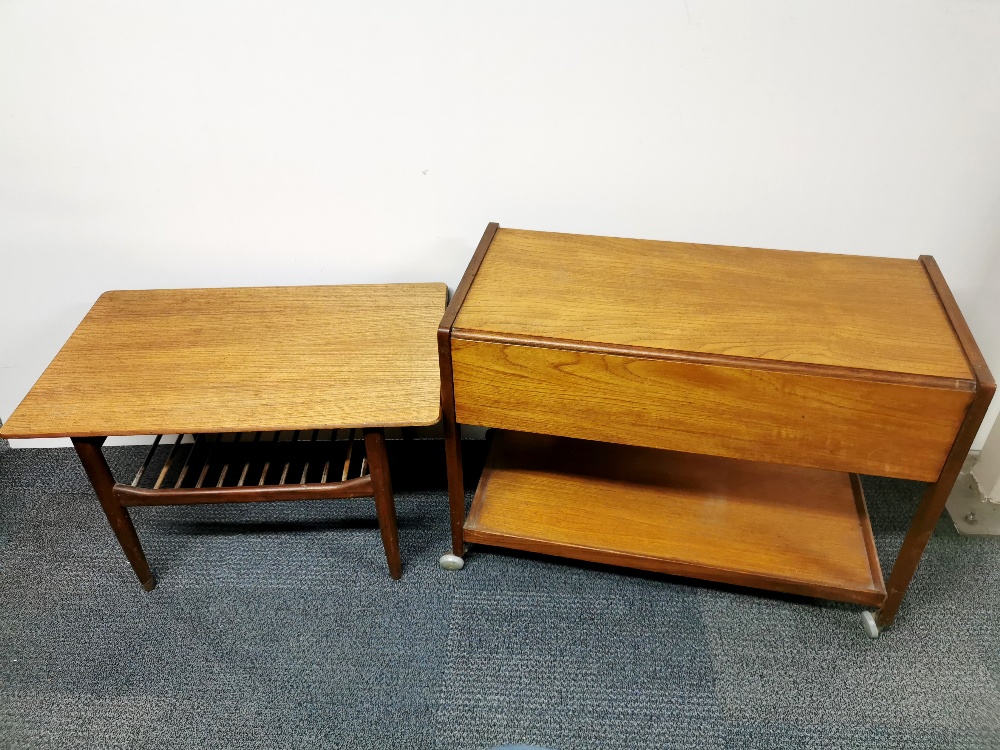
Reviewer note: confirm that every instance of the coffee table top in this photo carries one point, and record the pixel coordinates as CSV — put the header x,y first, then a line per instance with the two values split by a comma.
x,y
844,311
232,360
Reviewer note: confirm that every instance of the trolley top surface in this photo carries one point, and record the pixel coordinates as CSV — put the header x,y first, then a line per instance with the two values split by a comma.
x,y
800,307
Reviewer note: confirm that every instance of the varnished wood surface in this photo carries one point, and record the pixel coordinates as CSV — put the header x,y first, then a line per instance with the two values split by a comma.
x,y
226,360
789,529
977,363
867,313
832,423
462,290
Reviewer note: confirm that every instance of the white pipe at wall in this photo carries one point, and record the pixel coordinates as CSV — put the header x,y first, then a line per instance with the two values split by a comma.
x,y
987,469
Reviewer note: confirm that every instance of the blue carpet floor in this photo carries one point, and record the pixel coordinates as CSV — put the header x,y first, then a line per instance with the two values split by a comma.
x,y
276,626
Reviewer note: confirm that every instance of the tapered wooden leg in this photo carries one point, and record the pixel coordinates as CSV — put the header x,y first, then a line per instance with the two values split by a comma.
x,y
385,507
99,473
456,483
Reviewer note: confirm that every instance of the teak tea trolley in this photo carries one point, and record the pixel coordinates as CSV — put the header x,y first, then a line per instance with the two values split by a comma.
x,y
704,411
273,384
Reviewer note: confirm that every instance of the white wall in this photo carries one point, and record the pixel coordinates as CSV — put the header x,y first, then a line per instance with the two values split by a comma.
x,y
216,142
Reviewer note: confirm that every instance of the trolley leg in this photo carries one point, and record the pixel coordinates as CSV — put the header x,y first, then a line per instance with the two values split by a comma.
x,y
99,473
921,528
385,506
456,493
452,432
930,509
456,485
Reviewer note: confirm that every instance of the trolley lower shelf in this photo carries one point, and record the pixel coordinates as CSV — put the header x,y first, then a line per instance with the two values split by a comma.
x,y
783,528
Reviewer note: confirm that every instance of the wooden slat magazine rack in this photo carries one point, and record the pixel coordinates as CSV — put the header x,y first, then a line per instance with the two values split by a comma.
x,y
253,466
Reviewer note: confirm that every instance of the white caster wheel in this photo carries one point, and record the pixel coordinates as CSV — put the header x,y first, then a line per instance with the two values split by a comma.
x,y
870,626
451,562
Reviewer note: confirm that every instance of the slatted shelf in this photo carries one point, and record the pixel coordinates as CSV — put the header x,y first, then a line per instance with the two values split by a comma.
x,y
232,467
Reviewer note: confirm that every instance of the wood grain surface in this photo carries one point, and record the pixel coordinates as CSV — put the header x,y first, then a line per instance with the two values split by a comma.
x,y
845,311
229,360
790,529
843,424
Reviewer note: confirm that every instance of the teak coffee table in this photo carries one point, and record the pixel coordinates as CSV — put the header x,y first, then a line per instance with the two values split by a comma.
x,y
273,384
705,411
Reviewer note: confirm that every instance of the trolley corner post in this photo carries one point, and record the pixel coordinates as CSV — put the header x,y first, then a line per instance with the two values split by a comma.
x,y
449,420
936,495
